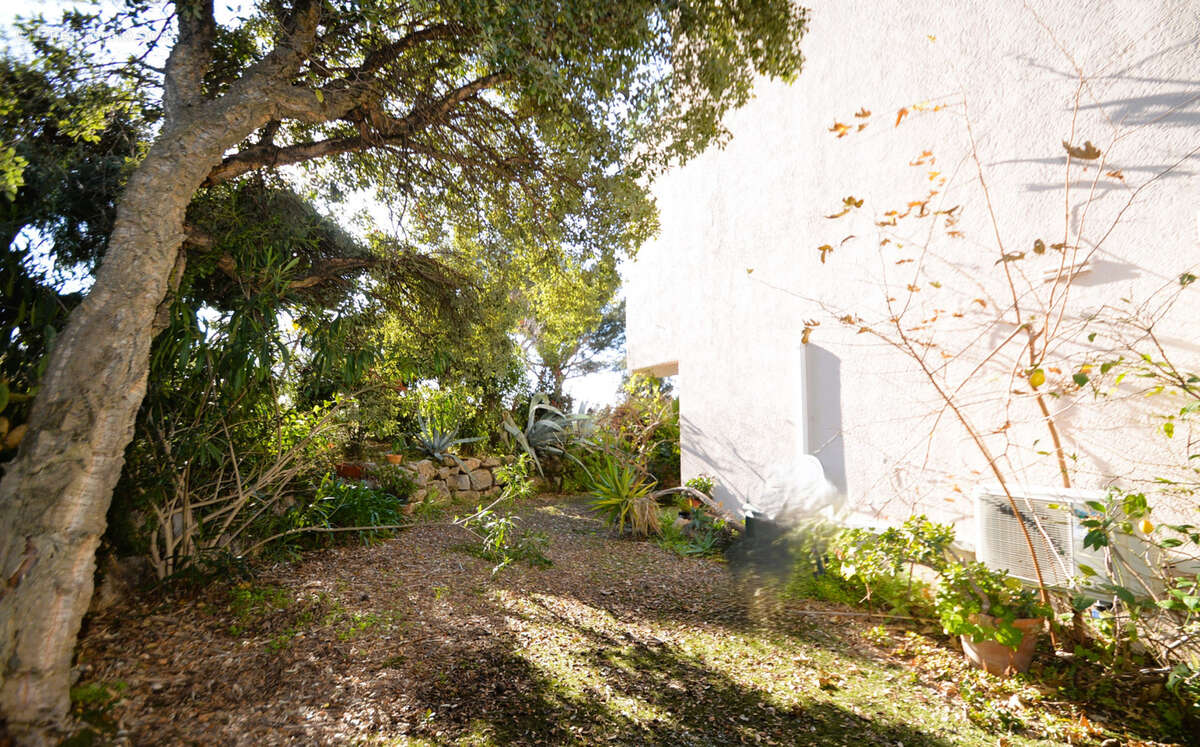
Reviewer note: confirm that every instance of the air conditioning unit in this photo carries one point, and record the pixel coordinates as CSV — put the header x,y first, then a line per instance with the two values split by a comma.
x,y
1058,543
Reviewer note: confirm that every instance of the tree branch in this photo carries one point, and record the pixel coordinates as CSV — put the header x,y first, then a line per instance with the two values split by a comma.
x,y
387,130
190,57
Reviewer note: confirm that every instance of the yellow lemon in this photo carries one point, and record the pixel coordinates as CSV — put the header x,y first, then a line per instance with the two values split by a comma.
x,y
1146,526
1037,378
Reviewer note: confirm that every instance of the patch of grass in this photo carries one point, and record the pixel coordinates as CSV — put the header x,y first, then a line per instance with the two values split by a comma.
x,y
97,694
360,622
250,605
92,704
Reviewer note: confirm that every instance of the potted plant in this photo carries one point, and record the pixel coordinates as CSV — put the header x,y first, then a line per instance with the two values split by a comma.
x,y
996,618
396,456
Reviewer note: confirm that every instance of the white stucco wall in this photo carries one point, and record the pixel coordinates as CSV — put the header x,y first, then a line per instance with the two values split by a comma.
x,y
727,286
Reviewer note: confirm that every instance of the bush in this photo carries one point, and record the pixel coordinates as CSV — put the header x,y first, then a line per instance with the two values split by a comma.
x,y
500,542
352,504
702,535
621,495
646,427
395,481
972,589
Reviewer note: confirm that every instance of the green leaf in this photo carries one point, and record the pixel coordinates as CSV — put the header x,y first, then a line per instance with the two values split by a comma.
x,y
1169,429
1087,570
1125,595
1095,539
1080,379
1096,506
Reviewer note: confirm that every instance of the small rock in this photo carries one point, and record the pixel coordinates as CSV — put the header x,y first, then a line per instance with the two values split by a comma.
x,y
490,462
480,479
470,464
425,469
120,577
462,482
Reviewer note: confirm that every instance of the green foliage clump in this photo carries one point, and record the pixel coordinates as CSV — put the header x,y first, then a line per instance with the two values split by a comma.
x,y
703,483
621,495
703,535
341,504
855,566
884,563
500,540
395,480
549,435
982,603
435,441
645,426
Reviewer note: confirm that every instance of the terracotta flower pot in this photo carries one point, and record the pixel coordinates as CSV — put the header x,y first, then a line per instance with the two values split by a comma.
x,y
998,658
395,458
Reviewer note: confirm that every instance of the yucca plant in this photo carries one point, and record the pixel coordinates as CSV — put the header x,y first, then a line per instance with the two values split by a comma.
x,y
548,431
621,495
435,441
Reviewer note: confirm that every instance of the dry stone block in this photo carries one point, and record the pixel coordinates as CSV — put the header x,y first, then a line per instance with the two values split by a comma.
x,y
443,473
468,495
481,479
462,482
490,462
470,464
438,487
425,469
418,495
448,461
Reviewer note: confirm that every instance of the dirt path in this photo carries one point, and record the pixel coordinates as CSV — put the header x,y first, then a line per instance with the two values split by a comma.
x,y
413,641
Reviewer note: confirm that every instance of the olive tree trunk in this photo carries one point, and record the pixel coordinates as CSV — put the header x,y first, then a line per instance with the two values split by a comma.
x,y
54,496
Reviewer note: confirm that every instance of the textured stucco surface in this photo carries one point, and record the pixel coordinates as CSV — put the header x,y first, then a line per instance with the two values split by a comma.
x,y
727,287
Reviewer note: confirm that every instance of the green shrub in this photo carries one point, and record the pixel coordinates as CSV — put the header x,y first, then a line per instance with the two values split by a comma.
x,y
703,483
395,480
621,495
702,536
352,504
972,589
500,541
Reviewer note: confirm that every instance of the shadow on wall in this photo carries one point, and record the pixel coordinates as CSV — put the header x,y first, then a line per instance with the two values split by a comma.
x,y
728,460
744,471
823,409
1175,103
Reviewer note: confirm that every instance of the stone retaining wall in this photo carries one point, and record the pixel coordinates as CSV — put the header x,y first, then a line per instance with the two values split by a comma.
x,y
466,479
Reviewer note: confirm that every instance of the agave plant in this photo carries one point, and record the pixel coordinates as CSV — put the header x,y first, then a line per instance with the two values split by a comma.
x,y
621,495
548,431
435,441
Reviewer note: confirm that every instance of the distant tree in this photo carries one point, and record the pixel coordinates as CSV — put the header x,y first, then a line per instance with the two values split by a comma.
x,y
572,326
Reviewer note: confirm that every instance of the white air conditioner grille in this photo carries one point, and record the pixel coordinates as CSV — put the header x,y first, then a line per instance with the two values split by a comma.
x,y
1002,543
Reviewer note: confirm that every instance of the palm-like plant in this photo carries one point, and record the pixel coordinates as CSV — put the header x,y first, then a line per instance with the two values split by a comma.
x,y
622,495
548,431
435,441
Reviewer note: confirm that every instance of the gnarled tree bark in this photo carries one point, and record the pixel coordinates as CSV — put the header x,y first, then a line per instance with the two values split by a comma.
x,y
55,494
